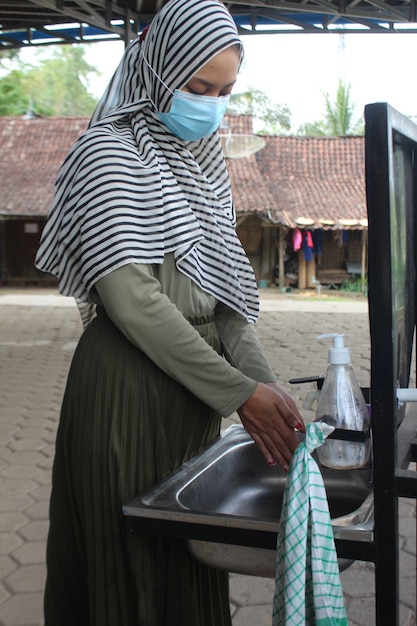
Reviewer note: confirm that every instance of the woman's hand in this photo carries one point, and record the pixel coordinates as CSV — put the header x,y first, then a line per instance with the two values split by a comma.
x,y
271,418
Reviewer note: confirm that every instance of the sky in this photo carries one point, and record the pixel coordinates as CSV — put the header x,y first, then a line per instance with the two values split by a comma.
x,y
377,66
295,69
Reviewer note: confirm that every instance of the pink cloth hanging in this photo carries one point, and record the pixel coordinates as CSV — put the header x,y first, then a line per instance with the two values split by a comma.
x,y
297,239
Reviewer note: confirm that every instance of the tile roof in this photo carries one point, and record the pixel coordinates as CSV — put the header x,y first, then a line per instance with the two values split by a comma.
x,y
317,182
31,154
304,181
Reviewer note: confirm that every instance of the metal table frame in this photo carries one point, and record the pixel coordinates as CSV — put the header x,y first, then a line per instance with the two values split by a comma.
x,y
391,188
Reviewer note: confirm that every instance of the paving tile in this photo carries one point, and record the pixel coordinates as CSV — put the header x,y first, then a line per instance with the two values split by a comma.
x,y
35,531
19,472
31,433
358,581
408,534
362,611
27,579
9,542
11,521
38,511
49,437
23,609
43,478
49,450
408,591
4,594
39,416
406,508
25,458
27,444
31,553
245,590
5,453
407,616
7,566
253,615
41,493
6,430
14,486
45,463
407,564
29,421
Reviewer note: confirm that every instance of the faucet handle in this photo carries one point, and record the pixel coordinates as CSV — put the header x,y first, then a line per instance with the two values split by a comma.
x,y
317,378
407,395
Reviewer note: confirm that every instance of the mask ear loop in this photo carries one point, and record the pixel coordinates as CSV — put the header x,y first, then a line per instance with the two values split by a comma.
x,y
156,75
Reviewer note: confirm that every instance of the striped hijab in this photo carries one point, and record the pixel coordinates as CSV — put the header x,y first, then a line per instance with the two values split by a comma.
x,y
131,192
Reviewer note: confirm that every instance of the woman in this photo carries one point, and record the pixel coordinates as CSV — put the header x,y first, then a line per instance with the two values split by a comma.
x,y
142,232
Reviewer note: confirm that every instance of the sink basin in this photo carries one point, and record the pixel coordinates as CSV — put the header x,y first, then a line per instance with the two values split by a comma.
x,y
226,503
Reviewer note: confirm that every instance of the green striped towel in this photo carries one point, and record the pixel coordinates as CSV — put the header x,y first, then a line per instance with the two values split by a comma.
x,y
307,582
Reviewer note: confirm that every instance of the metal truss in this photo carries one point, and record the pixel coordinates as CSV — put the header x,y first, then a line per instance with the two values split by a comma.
x,y
44,22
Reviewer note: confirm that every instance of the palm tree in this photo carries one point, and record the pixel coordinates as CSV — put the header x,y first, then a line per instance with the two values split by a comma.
x,y
338,119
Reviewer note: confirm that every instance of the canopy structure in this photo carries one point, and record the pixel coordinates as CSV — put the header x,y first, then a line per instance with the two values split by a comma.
x,y
42,22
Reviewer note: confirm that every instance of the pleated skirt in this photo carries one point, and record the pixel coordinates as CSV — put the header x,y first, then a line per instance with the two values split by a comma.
x,y
124,426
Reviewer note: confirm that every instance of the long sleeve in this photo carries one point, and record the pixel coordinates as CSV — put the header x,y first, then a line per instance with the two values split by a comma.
x,y
241,345
133,300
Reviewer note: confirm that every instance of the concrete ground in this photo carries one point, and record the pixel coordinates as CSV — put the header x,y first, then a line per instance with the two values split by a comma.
x,y
38,333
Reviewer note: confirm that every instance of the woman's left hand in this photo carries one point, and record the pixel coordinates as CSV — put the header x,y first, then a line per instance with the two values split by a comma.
x,y
271,417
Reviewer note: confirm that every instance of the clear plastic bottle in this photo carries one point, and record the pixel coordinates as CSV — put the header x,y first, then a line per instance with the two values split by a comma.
x,y
341,404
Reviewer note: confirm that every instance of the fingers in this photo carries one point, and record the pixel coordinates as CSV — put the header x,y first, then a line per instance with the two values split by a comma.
x,y
274,447
289,408
280,449
270,417
273,455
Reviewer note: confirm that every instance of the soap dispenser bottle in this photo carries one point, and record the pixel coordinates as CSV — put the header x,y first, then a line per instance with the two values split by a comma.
x,y
341,404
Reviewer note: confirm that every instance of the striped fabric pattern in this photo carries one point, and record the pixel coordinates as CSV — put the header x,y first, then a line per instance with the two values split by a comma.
x,y
308,591
131,192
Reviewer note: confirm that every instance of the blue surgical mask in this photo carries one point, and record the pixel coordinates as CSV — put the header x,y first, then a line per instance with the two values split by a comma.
x,y
193,117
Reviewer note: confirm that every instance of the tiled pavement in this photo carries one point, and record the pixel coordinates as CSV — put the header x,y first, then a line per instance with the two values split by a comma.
x,y
38,332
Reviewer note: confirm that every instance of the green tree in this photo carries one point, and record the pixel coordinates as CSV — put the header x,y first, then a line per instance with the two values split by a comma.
x,y
269,117
13,99
339,116
56,86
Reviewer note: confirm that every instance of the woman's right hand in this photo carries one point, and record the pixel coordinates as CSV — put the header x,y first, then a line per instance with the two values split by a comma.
x,y
271,418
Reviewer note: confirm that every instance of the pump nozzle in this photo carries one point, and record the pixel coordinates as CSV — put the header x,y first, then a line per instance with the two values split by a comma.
x,y
338,355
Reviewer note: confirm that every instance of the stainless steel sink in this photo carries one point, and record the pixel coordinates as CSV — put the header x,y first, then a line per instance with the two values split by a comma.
x,y
226,504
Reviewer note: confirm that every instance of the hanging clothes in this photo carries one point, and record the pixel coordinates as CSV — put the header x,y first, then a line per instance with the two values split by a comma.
x,y
297,239
318,241
308,246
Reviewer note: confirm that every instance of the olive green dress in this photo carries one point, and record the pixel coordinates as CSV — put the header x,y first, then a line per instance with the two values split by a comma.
x,y
146,391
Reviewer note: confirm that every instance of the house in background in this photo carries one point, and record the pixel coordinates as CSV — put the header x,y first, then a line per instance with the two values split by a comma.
x,y
311,188
295,189
32,150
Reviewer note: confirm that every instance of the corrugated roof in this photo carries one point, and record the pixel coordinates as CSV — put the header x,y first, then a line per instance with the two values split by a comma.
x,y
304,181
39,22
